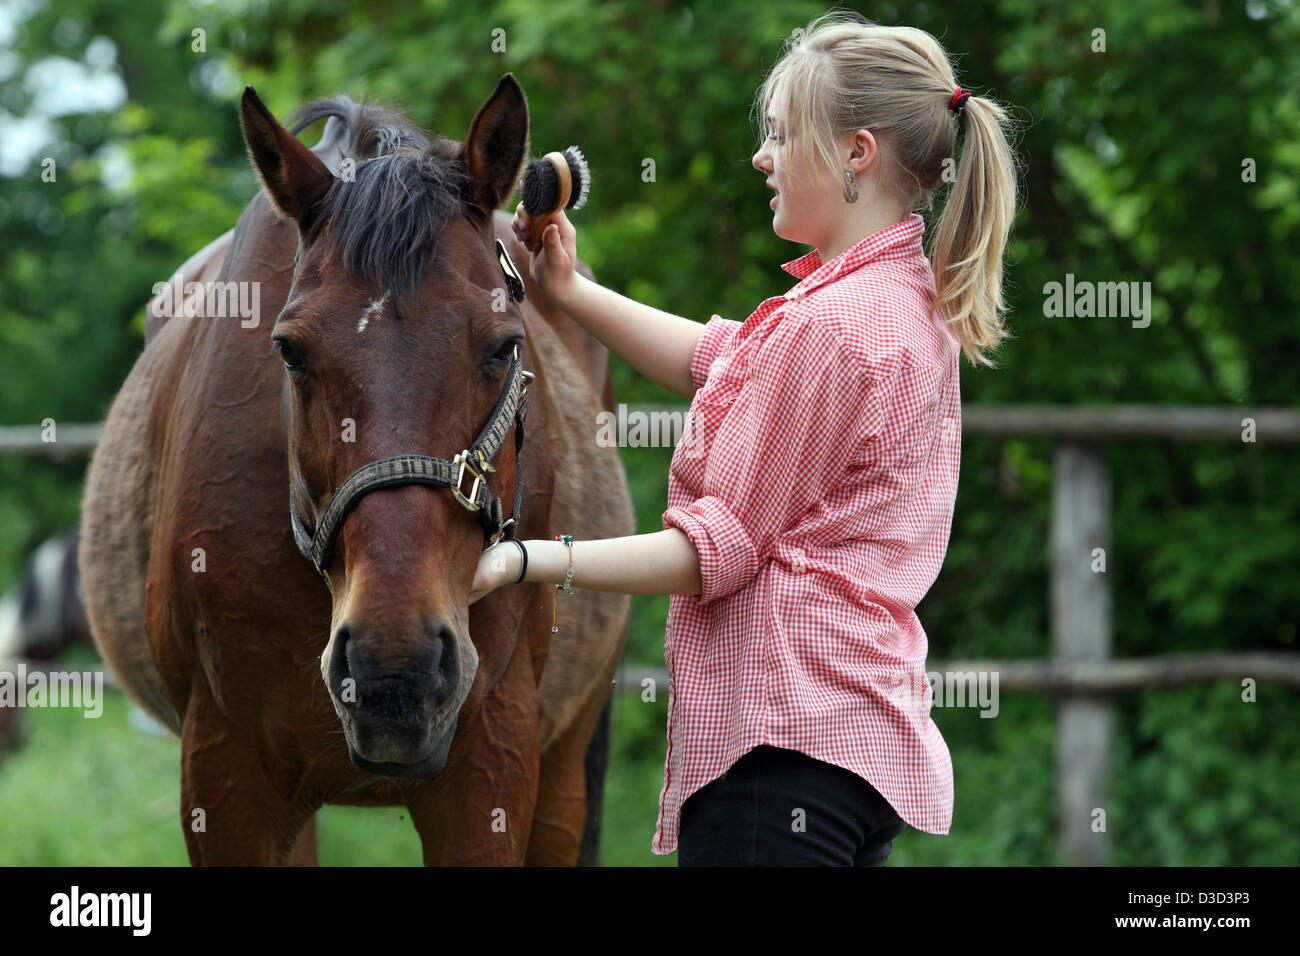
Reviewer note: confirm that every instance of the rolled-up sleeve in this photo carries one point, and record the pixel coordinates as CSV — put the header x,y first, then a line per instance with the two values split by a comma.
x,y
807,411
718,332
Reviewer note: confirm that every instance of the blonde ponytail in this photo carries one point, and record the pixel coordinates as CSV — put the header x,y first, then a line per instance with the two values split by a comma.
x,y
842,73
972,233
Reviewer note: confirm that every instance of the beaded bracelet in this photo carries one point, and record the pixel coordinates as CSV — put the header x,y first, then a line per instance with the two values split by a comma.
x,y
567,585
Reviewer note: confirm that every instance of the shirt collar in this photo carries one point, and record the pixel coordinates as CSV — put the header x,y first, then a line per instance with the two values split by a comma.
x,y
899,241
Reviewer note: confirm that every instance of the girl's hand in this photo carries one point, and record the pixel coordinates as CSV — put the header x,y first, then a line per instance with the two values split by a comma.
x,y
555,260
498,565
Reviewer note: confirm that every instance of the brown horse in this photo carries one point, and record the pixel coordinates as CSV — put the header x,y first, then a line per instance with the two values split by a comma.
x,y
375,684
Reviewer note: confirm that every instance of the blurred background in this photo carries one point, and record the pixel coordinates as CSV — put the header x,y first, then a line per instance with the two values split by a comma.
x,y
1164,149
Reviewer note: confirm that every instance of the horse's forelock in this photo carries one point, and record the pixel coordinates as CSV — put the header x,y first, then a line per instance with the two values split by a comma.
x,y
369,129
406,186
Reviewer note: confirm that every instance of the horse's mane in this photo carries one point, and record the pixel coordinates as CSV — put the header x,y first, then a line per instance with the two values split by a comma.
x,y
408,185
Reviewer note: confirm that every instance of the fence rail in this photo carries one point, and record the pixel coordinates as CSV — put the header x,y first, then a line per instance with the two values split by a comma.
x,y
1185,423
1066,678
71,440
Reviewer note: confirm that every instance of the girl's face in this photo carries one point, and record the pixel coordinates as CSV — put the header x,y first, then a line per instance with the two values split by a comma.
x,y
804,212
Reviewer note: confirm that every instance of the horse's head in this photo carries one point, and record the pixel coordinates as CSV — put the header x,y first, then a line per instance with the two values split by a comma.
x,y
398,338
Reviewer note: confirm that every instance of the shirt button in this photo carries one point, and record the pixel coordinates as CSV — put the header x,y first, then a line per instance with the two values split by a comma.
x,y
796,562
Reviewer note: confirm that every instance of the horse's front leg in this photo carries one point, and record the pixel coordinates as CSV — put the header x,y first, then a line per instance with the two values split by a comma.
x,y
480,812
232,811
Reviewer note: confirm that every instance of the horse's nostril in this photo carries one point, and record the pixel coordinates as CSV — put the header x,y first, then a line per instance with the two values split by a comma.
x,y
443,659
445,650
340,663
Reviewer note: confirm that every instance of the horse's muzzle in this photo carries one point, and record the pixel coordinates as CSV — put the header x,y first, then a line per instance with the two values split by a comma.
x,y
399,708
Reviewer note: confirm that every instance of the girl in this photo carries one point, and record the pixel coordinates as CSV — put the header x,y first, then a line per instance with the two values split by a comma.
x,y
811,496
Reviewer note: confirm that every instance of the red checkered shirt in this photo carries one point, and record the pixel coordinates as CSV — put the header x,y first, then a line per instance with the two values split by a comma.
x,y
816,478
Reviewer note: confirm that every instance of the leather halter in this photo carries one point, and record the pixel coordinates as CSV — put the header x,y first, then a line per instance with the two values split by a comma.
x,y
511,408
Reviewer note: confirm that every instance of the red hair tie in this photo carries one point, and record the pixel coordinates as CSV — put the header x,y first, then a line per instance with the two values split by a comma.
x,y
958,102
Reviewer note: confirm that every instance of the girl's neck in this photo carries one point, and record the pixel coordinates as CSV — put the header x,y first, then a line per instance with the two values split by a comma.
x,y
858,224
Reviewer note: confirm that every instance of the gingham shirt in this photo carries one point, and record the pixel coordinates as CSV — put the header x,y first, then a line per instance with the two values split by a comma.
x,y
816,476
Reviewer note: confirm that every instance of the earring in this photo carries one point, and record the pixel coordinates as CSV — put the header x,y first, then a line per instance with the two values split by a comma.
x,y
850,187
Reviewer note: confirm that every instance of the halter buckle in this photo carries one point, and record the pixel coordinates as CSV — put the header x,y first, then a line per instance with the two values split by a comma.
x,y
495,537
464,461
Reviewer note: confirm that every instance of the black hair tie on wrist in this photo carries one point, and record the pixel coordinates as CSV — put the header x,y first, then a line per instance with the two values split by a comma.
x,y
524,551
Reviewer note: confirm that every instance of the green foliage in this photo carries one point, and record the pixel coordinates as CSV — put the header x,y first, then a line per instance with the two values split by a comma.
x,y
1134,173
1205,779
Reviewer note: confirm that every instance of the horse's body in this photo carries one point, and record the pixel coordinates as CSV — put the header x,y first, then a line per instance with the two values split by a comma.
x,y
207,613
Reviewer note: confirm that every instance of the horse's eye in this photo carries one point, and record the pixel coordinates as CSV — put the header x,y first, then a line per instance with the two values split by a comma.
x,y
507,351
292,360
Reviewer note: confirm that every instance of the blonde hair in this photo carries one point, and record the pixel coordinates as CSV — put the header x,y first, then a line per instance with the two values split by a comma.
x,y
842,73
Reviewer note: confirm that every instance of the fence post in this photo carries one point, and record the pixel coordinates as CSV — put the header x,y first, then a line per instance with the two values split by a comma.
x,y
1081,626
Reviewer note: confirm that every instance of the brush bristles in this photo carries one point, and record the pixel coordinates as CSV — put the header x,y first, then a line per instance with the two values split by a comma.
x,y
580,173
540,187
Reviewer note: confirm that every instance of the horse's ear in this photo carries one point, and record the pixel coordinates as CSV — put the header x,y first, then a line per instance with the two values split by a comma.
x,y
496,145
294,177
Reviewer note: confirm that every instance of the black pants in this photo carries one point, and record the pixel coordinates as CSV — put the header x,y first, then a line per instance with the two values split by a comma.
x,y
778,807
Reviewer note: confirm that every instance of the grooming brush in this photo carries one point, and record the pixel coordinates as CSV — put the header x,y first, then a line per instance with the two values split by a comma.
x,y
554,182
